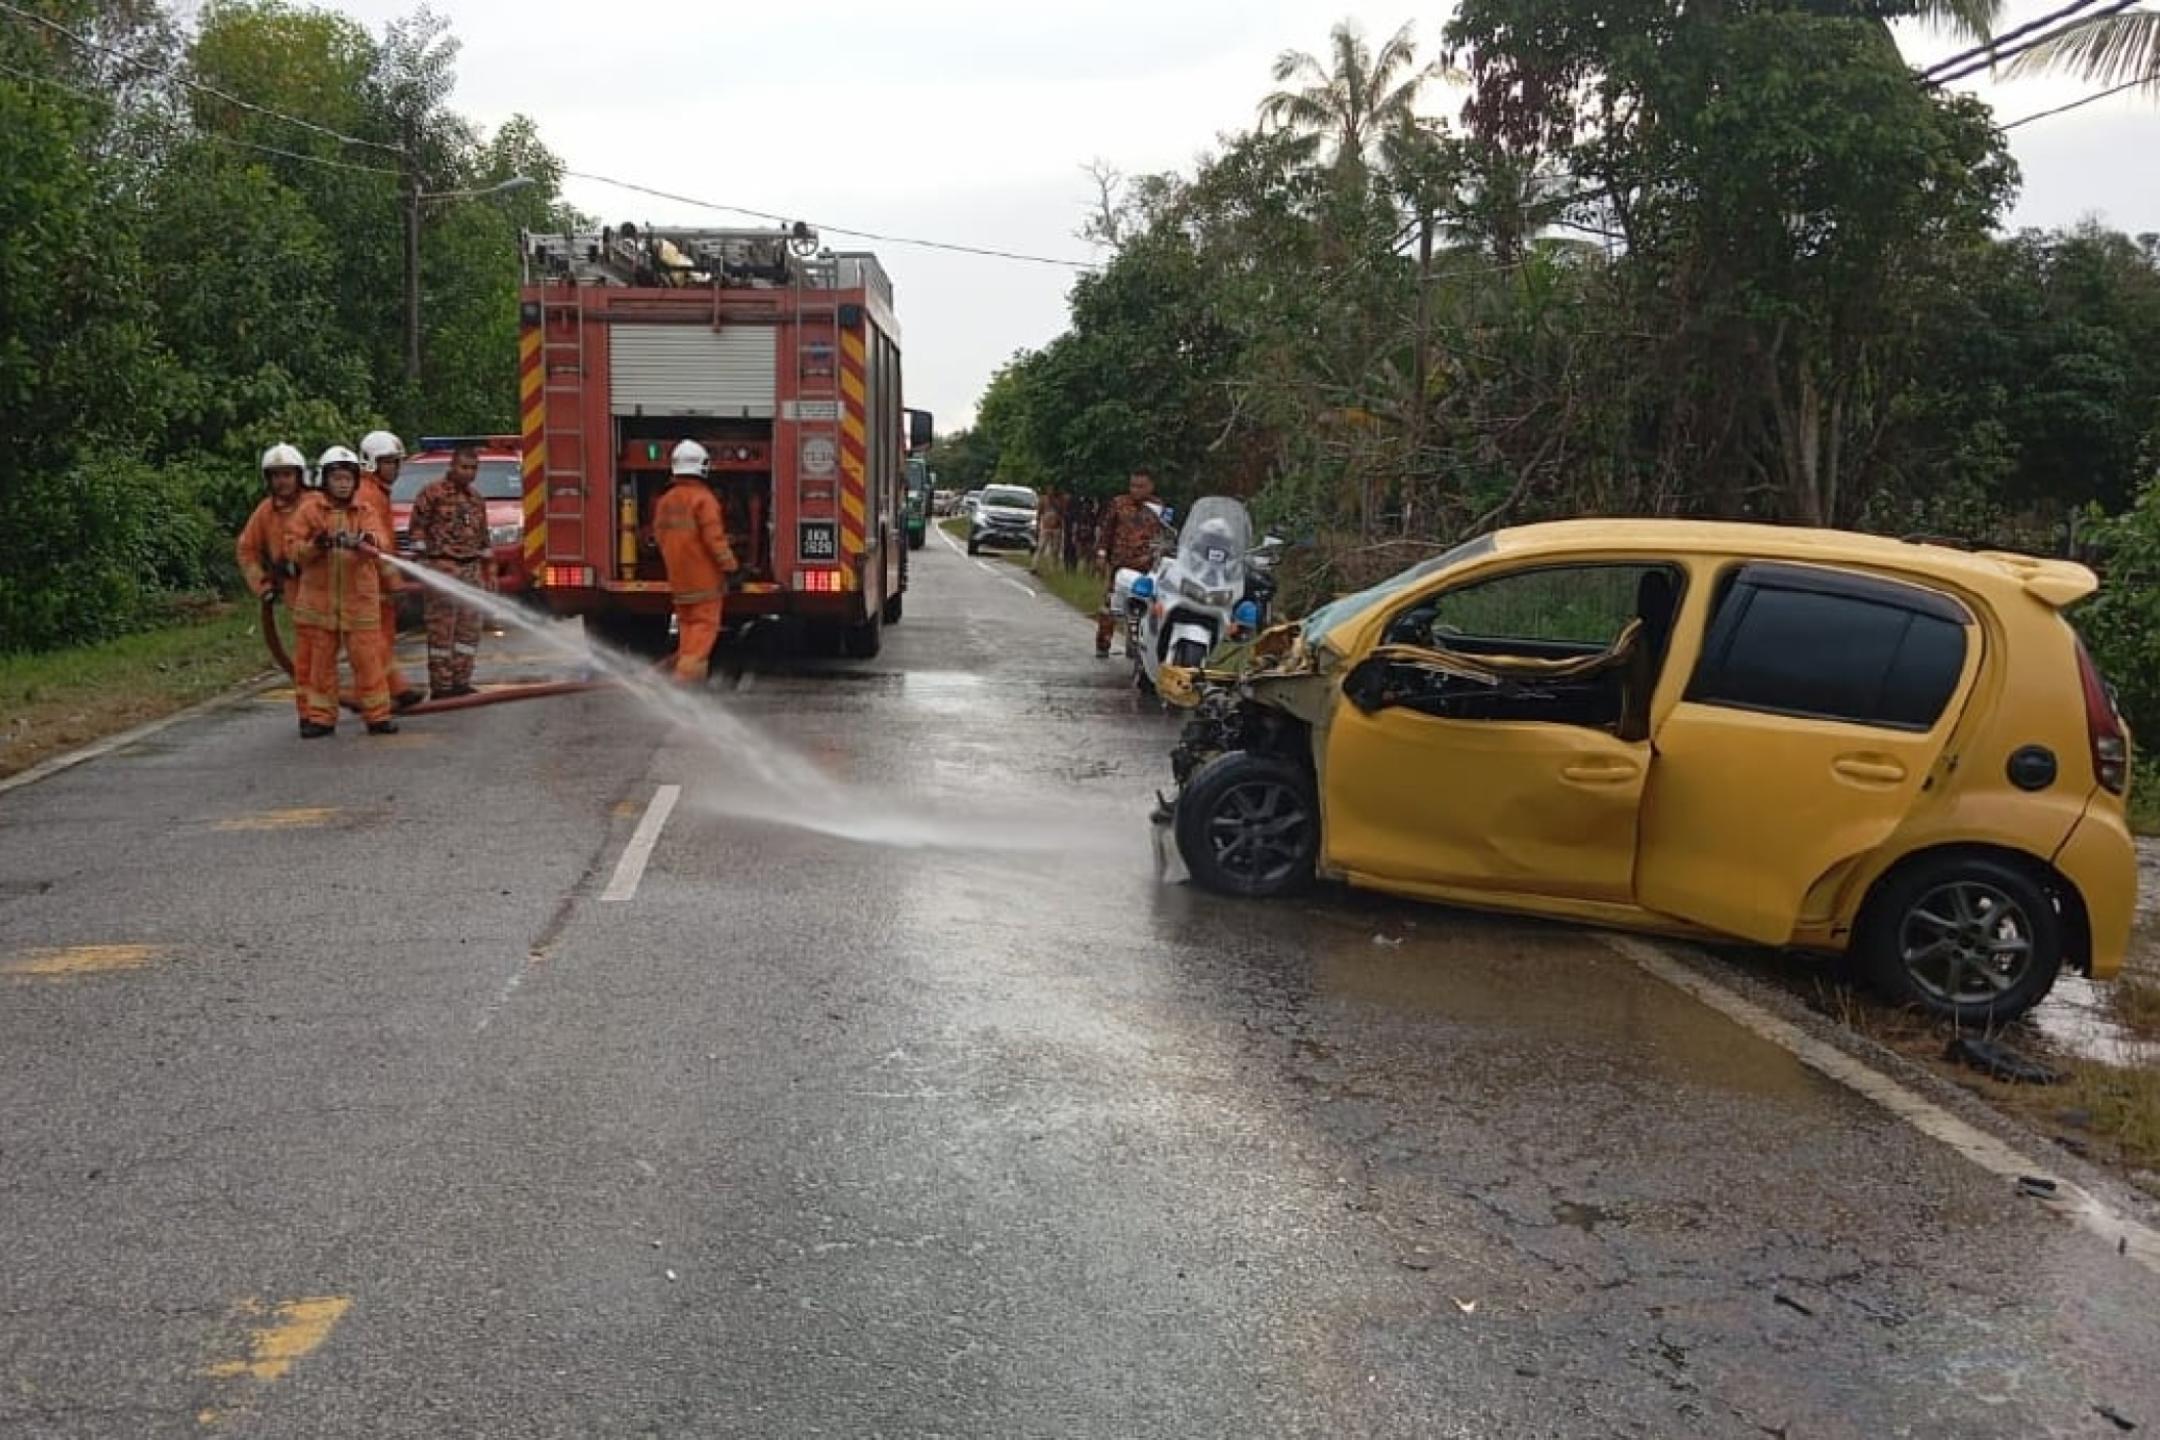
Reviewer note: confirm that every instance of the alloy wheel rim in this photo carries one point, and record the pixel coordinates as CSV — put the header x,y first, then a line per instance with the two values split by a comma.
x,y
1257,831
1966,942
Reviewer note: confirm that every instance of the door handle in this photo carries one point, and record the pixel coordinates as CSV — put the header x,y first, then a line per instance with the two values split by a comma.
x,y
1600,772
1869,769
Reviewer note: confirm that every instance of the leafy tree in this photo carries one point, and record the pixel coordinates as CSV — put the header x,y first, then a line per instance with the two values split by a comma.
x,y
1350,99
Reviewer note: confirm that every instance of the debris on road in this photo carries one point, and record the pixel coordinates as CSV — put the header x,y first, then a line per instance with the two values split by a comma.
x,y
1999,1061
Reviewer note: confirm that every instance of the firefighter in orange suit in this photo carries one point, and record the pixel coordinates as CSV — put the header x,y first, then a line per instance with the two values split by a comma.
x,y
340,601
693,542
382,455
260,550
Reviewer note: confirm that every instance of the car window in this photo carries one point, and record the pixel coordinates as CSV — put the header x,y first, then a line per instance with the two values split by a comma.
x,y
1573,606
1010,498
1345,608
1832,645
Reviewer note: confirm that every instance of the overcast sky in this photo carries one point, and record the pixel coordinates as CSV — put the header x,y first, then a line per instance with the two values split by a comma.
x,y
970,120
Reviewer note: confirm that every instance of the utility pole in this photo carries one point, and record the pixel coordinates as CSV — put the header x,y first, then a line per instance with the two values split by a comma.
x,y
412,256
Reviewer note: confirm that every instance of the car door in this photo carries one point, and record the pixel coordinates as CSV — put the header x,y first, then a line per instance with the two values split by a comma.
x,y
1818,711
1518,783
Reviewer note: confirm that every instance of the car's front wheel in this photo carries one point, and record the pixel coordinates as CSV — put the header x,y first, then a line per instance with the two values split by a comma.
x,y
974,545
1249,825
1971,938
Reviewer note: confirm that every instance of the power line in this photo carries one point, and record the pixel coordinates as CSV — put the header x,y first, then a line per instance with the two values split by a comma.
x,y
2084,100
1996,57
112,104
143,65
1996,42
951,245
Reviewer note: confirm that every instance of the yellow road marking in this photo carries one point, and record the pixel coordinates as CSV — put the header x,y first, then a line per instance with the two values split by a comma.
x,y
57,961
296,1328
305,817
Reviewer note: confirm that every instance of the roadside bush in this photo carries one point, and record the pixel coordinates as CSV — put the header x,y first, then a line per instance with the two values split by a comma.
x,y
97,551
2121,624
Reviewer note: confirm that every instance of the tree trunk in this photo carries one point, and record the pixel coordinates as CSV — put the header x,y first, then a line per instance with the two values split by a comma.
x,y
1414,469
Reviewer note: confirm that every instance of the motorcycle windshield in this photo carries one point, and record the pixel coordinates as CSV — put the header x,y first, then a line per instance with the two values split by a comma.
x,y
1213,543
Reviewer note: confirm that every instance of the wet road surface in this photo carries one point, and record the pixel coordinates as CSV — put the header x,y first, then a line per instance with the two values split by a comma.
x,y
335,1099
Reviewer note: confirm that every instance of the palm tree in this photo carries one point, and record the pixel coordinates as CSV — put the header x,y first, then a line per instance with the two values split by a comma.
x,y
1353,97
2118,49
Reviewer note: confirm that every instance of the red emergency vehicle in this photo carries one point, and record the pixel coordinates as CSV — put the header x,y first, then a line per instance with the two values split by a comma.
x,y
781,358
501,483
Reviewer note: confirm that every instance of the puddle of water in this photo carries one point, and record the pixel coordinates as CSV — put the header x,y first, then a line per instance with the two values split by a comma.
x,y
2078,1021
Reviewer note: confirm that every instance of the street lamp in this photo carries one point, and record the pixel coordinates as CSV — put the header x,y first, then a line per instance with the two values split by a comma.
x,y
414,198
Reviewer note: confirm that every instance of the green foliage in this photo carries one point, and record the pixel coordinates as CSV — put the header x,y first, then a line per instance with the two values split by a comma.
x,y
2121,624
174,298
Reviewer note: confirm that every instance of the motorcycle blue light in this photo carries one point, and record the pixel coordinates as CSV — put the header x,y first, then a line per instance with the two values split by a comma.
x,y
1144,588
1247,613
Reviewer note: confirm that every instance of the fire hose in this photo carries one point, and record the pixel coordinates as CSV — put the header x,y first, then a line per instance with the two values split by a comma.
x,y
501,695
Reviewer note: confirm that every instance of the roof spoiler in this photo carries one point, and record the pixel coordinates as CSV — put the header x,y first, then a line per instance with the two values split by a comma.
x,y
2057,583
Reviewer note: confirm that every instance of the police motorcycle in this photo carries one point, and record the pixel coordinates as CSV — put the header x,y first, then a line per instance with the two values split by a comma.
x,y
1212,584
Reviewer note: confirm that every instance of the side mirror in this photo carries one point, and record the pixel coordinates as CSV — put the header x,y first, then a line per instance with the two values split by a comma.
x,y
921,429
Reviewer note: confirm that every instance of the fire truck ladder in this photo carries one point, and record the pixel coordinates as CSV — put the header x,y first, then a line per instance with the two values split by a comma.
x,y
562,424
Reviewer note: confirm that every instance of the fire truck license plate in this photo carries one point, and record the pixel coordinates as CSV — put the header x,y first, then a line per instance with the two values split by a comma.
x,y
816,540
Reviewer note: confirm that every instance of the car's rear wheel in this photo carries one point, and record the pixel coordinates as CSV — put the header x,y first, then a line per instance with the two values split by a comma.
x,y
1249,825
974,545
1971,938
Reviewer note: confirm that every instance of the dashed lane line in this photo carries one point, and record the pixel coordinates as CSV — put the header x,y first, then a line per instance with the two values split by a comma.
x,y
631,868
2072,1202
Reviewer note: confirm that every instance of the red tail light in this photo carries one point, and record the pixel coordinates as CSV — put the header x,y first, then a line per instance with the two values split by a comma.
x,y
2103,727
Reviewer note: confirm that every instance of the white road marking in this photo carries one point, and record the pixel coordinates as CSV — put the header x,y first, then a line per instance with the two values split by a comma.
x,y
631,868
950,543
2068,1200
1023,589
986,567
46,769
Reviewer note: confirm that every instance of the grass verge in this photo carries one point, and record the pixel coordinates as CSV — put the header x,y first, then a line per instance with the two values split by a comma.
x,y
955,526
2110,1113
2135,999
2145,796
1082,588
54,702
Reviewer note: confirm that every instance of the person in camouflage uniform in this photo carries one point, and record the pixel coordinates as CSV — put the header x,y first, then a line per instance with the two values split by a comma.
x,y
1125,537
450,532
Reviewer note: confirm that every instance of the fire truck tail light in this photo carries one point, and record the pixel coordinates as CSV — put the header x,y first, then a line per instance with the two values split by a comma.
x,y
568,577
818,582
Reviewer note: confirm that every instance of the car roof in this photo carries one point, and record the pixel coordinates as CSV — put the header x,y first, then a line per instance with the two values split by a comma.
x,y
2055,582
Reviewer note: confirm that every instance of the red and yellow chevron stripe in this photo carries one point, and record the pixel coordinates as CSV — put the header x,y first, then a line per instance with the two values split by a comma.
x,y
532,411
854,451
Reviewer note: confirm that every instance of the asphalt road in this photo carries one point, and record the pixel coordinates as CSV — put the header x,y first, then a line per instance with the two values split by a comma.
x,y
335,1100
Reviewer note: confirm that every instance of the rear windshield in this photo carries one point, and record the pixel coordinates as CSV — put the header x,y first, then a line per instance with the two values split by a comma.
x,y
499,479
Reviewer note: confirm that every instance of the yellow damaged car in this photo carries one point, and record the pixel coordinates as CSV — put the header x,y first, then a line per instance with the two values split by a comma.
x,y
1793,737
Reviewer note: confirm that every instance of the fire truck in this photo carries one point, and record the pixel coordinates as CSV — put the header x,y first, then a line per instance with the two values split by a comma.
x,y
781,358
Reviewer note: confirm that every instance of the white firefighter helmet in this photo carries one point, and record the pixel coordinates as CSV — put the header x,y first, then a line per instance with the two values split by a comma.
x,y
689,459
284,457
379,445
335,455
